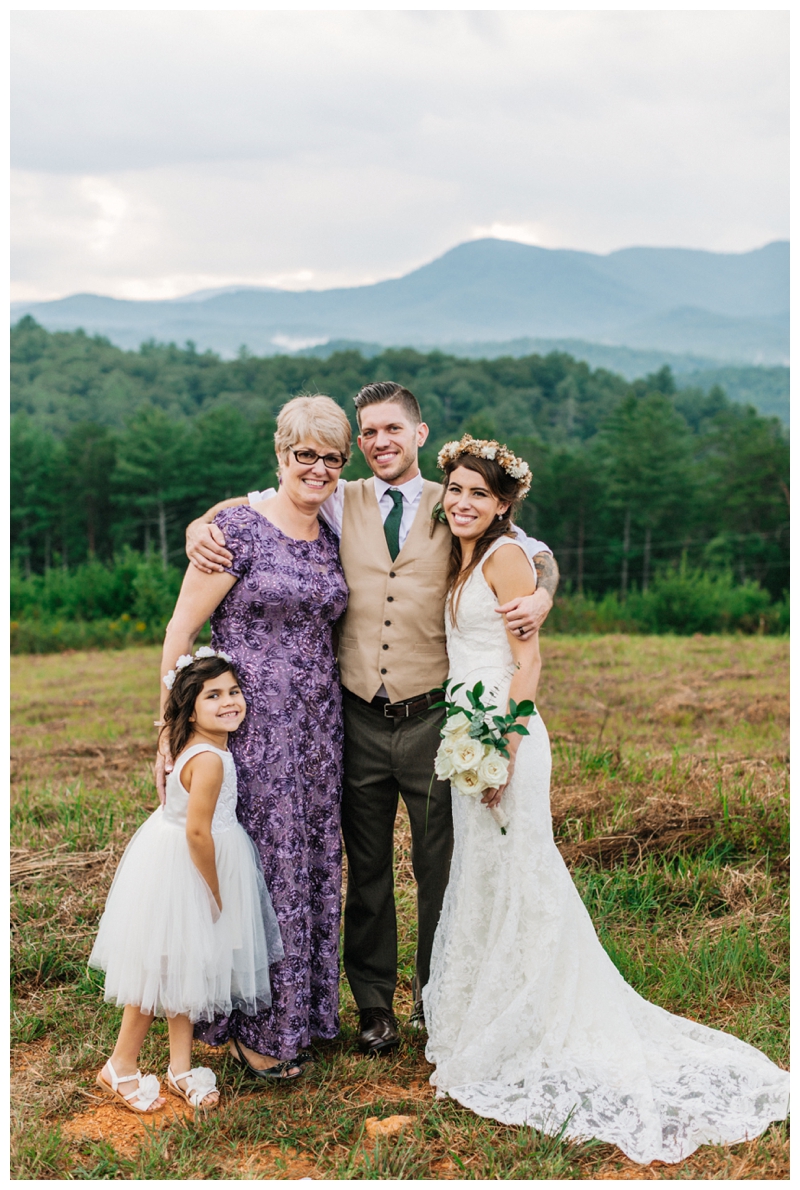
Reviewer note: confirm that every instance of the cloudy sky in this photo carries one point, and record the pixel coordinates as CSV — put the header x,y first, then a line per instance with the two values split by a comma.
x,y
157,153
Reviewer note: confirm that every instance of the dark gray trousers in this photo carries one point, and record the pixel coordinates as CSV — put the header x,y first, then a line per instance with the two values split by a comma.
x,y
383,758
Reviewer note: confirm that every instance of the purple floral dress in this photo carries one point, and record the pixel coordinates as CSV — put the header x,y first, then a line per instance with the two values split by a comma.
x,y
276,623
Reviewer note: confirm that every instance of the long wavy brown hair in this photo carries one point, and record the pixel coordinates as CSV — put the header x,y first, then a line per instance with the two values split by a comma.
x,y
503,487
184,694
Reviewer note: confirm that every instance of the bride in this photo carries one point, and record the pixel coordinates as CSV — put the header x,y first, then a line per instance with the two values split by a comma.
x,y
529,1021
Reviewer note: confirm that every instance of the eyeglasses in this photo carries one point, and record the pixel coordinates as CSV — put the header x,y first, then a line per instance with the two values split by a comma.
x,y
307,458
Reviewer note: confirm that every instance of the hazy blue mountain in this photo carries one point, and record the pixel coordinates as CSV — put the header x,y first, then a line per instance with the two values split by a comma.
x,y
728,307
737,284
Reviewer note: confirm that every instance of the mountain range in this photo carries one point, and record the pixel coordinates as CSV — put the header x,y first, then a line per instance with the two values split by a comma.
x,y
723,307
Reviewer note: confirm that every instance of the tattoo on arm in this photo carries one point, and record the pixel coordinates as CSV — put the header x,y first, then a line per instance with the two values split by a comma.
x,y
546,573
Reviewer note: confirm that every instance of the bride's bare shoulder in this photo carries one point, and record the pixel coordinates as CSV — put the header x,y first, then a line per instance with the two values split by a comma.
x,y
509,566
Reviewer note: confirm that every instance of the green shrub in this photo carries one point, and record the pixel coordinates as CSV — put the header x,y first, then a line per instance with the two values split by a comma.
x,y
130,600
683,600
132,584
687,600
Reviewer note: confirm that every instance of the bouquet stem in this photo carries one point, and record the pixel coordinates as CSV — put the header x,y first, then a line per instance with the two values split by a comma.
x,y
500,817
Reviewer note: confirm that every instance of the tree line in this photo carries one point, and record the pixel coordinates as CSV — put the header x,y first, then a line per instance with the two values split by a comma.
x,y
113,449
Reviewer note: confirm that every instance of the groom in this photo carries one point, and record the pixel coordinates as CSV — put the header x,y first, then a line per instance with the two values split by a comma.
x,y
392,660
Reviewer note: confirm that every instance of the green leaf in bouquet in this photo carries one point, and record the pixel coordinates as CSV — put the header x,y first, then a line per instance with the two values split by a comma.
x,y
524,709
519,729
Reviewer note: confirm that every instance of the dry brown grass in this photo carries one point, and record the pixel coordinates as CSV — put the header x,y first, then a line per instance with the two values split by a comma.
x,y
662,747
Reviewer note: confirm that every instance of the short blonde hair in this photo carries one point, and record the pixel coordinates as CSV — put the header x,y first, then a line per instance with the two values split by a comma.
x,y
312,417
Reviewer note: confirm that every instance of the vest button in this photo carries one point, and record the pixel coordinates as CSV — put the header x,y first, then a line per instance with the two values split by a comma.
x,y
385,646
388,623
390,598
383,671
391,574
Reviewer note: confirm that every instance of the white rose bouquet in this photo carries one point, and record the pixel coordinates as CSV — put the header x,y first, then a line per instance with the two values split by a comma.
x,y
473,754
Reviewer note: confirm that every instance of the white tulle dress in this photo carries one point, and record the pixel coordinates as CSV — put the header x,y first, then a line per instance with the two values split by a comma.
x,y
529,1021
162,942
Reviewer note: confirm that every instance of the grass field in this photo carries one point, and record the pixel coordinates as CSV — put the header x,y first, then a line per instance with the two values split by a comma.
x,y
670,804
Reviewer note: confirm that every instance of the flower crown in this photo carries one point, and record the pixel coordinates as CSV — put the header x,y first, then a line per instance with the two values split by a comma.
x,y
484,448
187,659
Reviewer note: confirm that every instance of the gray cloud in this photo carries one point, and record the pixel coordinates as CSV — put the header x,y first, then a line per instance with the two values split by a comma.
x,y
155,152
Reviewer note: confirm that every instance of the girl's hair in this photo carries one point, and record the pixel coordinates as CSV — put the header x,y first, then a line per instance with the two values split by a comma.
x,y
503,487
312,416
183,696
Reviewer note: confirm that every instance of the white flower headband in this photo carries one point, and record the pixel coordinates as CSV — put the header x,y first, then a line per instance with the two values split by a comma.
x,y
483,448
187,659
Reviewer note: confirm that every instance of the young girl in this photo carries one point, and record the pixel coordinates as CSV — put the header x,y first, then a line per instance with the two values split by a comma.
x,y
188,930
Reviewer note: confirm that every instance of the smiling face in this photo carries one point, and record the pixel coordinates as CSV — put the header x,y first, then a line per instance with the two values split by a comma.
x,y
390,441
309,484
469,505
220,705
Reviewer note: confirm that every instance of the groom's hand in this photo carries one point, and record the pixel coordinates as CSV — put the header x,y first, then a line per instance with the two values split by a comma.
x,y
525,615
205,547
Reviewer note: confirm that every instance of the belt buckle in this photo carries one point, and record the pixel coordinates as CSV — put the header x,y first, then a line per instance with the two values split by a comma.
x,y
396,710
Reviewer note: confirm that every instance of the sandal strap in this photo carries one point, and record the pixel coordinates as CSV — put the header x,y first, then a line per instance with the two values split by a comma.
x,y
201,1082
177,1077
146,1091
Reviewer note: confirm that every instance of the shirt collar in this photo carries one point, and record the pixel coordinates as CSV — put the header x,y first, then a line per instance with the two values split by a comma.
x,y
409,490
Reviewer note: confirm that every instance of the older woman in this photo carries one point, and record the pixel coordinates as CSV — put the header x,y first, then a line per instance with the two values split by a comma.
x,y
273,610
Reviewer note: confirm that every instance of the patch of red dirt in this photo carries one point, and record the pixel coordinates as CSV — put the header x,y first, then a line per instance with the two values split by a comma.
x,y
390,1126
122,1128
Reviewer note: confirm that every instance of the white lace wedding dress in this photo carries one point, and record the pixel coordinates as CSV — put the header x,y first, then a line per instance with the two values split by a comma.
x,y
529,1021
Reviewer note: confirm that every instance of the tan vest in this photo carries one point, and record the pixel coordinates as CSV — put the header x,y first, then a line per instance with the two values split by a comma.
x,y
392,633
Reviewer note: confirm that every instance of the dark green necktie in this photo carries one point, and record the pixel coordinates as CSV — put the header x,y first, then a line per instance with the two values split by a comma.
x,y
391,526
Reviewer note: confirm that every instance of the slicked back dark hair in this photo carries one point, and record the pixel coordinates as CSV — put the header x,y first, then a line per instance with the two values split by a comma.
x,y
183,696
381,391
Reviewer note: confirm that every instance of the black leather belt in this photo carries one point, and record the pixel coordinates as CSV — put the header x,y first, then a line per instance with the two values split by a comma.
x,y
400,710
408,706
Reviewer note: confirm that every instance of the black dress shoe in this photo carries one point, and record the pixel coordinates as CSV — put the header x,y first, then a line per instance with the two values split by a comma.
x,y
378,1030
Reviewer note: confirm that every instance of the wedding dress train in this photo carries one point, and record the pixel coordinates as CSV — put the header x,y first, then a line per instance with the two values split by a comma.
x,y
529,1021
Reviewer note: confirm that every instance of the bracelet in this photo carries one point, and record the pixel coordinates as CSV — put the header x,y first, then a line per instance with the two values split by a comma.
x,y
158,723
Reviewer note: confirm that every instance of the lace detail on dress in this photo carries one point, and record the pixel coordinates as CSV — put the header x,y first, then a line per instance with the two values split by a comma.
x,y
177,800
529,1021
477,643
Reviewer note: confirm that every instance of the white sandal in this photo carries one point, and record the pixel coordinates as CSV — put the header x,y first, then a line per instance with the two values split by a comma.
x,y
202,1081
140,1099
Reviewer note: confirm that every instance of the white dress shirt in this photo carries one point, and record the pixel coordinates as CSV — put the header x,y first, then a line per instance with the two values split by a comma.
x,y
411,491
